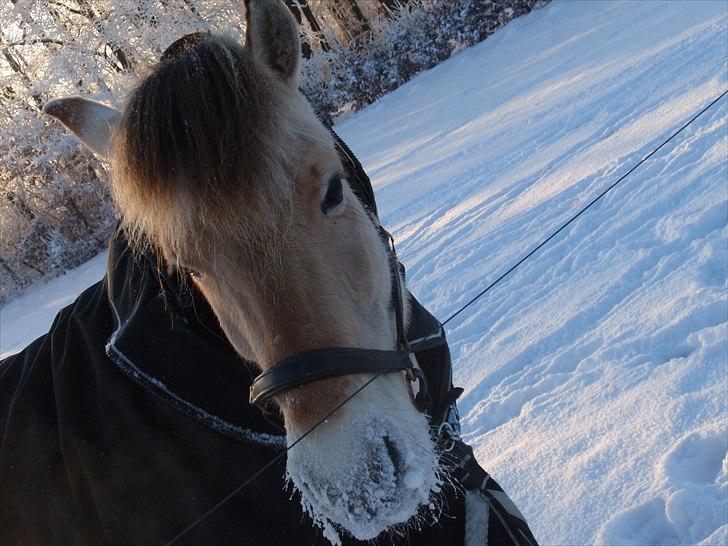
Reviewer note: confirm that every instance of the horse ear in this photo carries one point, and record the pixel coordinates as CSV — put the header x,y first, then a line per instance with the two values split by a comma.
x,y
272,35
92,122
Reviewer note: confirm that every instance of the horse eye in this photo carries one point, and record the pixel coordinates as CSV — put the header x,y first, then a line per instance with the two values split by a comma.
x,y
334,194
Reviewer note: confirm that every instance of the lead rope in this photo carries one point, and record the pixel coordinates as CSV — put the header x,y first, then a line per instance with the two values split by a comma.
x,y
467,470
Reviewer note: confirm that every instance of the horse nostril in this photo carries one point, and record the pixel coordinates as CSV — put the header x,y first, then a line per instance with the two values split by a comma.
x,y
393,452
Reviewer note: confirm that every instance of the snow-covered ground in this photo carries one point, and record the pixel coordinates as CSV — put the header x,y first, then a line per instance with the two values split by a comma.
x,y
29,316
596,375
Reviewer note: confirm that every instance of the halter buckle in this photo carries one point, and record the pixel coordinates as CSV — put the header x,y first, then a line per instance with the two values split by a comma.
x,y
446,436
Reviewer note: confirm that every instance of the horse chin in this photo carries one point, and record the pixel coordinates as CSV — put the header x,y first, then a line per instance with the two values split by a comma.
x,y
365,473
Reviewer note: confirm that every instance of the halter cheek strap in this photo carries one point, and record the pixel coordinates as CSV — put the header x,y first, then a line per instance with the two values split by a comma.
x,y
396,282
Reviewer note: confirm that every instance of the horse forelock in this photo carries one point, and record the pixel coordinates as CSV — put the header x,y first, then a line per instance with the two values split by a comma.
x,y
202,132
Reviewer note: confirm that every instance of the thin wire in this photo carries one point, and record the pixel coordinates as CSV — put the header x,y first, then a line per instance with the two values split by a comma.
x,y
468,304
564,226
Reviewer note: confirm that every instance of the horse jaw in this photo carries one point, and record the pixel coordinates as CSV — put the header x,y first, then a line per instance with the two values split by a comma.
x,y
369,469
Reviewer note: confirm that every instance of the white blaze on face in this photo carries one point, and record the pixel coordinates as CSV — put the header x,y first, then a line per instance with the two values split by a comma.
x,y
368,469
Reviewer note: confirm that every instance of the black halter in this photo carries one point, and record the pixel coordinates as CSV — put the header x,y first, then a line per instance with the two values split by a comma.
x,y
317,364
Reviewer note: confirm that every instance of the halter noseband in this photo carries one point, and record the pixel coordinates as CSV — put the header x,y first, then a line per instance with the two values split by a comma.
x,y
317,364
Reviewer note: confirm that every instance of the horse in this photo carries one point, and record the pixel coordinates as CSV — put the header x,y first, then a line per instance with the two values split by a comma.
x,y
222,171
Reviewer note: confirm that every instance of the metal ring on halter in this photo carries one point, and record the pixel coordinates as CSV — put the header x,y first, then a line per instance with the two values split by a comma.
x,y
446,436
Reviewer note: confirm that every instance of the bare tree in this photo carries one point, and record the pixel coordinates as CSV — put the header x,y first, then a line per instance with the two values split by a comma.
x,y
299,7
388,6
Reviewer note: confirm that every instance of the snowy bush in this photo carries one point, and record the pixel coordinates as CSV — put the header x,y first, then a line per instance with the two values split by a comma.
x,y
419,35
55,210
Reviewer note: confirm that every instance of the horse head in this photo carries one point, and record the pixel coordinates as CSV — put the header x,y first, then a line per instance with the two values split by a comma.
x,y
220,165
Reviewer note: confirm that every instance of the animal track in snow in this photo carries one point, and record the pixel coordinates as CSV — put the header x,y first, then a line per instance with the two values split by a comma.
x,y
693,509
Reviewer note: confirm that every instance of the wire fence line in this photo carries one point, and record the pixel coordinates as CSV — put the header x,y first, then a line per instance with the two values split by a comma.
x,y
582,211
470,302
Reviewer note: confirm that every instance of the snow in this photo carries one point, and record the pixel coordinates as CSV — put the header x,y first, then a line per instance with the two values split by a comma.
x,y
596,373
29,316
388,470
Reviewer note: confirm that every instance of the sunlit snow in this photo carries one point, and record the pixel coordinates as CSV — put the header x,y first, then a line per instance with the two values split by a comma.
x,y
596,375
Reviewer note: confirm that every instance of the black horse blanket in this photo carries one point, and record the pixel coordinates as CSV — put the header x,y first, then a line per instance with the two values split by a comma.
x,y
130,419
